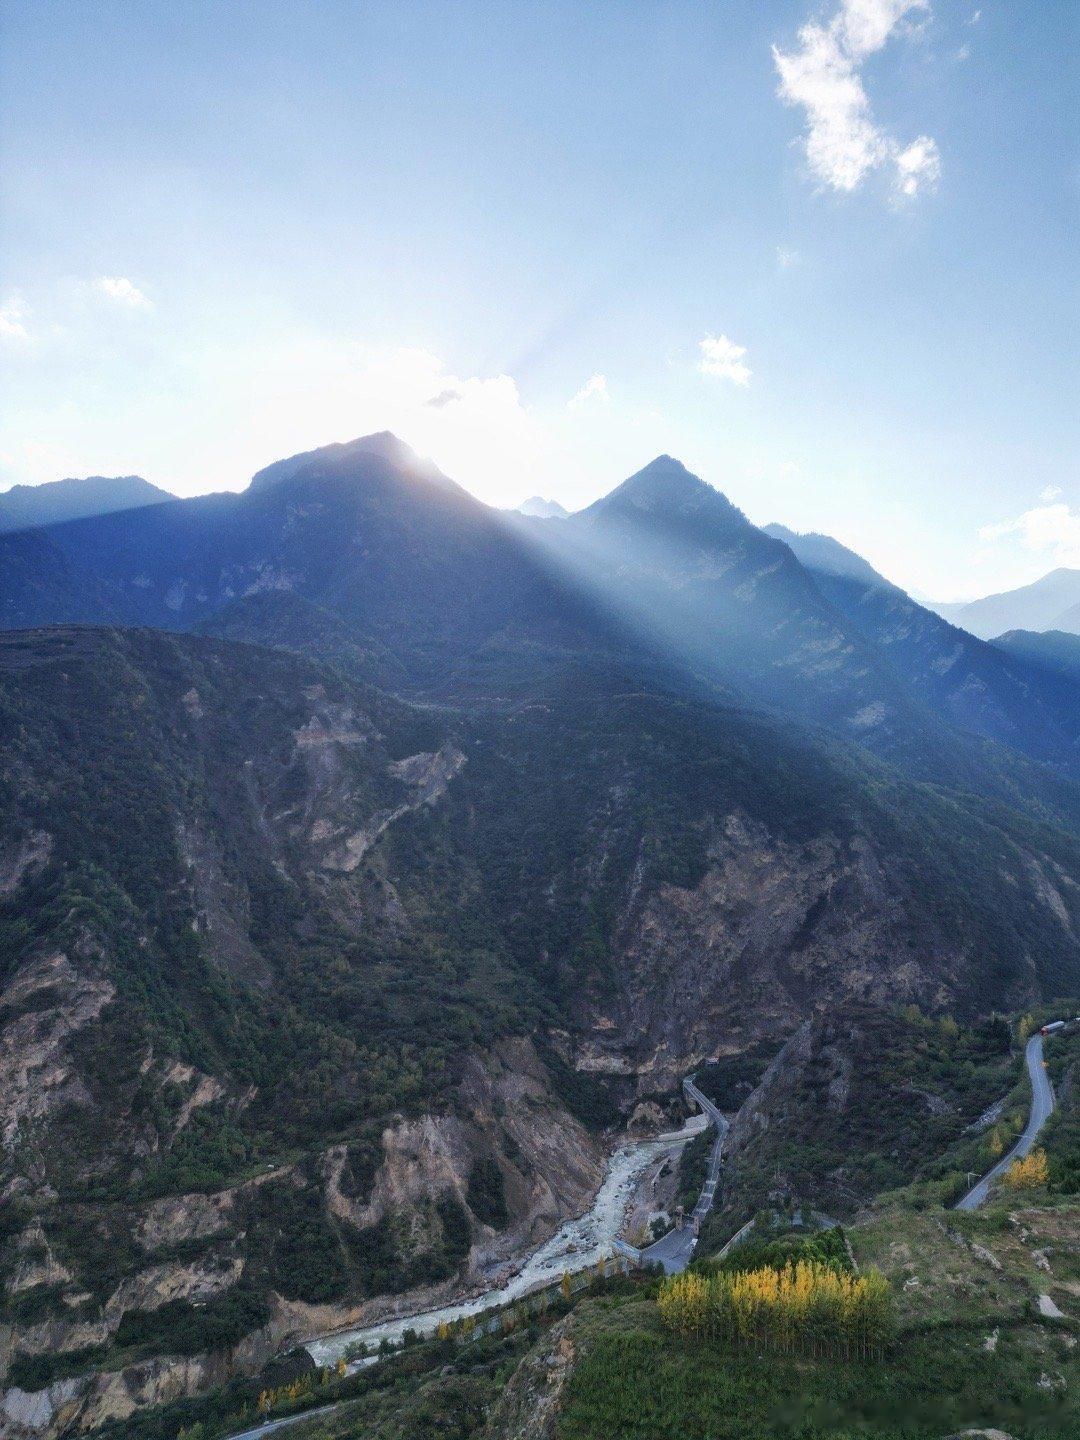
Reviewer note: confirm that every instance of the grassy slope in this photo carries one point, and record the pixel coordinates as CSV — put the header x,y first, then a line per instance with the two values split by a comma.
x,y
969,1349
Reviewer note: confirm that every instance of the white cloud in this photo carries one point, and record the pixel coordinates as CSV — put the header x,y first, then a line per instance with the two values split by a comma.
x,y
786,258
594,388
722,357
311,391
1052,530
823,75
122,290
12,314
1051,492
917,166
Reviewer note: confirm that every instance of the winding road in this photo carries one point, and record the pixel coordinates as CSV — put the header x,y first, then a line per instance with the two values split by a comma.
x,y
675,1250
269,1426
1042,1107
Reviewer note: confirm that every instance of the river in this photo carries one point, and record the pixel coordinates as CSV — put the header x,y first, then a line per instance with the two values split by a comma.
x,y
577,1245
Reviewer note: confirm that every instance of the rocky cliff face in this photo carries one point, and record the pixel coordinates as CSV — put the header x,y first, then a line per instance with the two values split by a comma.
x,y
773,932
548,1167
529,1406
778,931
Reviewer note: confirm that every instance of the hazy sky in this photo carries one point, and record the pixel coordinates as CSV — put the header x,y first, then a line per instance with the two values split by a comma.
x,y
825,254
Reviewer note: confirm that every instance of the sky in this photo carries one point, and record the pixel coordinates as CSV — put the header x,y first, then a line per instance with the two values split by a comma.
x,y
825,254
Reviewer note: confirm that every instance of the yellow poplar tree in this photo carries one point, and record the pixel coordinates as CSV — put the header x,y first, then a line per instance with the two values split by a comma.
x,y
1028,1173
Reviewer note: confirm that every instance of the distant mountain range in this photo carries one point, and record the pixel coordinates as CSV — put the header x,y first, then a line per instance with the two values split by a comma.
x,y
365,550
1052,603
25,506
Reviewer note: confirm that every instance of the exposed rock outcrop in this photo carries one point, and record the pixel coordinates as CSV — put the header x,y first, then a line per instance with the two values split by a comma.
x,y
773,932
530,1404
45,1004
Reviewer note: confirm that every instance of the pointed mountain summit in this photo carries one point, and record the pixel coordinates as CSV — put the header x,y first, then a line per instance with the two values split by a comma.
x,y
667,488
382,445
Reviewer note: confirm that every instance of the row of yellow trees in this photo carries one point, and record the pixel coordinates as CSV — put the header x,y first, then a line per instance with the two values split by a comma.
x,y
300,1388
806,1308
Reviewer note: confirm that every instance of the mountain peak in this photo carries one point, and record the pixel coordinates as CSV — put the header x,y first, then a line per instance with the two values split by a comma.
x,y
664,476
665,486
383,444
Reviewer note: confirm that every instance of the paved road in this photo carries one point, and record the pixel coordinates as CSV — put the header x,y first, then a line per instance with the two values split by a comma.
x,y
269,1426
675,1250
1042,1107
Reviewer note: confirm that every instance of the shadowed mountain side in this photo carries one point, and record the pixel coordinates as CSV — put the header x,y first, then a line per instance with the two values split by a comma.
x,y
1054,651
982,688
410,563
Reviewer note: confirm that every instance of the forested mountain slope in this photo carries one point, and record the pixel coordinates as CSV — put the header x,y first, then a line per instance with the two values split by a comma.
x,y
1055,651
322,966
974,685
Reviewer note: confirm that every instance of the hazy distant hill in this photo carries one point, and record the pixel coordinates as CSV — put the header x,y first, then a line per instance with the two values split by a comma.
x,y
543,509
25,506
826,555
1052,603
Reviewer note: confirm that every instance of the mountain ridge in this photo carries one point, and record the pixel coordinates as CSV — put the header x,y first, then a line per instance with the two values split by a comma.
x,y
25,507
381,443
447,597
1049,603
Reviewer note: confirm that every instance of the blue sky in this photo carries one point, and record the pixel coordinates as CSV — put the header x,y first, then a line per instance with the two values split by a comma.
x,y
824,254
